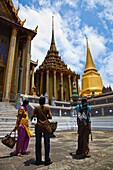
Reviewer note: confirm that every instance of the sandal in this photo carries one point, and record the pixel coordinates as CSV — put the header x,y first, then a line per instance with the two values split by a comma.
x,y
19,154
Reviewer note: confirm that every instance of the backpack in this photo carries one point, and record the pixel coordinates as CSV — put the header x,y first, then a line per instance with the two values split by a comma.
x,y
82,119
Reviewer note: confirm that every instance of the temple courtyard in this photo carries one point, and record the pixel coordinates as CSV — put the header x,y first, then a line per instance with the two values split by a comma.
x,y
64,143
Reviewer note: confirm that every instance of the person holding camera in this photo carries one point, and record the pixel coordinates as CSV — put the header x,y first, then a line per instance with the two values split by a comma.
x,y
84,128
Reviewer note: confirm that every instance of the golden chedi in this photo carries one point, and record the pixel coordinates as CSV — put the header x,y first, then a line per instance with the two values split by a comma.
x,y
91,79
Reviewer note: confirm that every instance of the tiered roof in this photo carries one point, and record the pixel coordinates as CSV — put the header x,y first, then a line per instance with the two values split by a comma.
x,y
9,16
9,12
52,60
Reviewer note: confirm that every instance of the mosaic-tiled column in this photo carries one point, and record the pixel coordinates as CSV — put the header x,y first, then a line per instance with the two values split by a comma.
x,y
41,83
9,68
70,90
28,57
17,73
14,83
54,84
22,85
32,79
61,86
47,82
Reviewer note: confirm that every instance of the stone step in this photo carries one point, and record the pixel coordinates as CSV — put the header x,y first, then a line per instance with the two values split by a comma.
x,y
8,123
7,130
7,111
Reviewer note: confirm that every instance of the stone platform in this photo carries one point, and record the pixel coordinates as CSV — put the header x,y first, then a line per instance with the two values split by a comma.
x,y
62,145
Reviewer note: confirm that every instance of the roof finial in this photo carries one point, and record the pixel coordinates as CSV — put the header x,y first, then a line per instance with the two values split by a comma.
x,y
53,47
87,42
17,10
22,22
53,28
89,61
36,28
86,36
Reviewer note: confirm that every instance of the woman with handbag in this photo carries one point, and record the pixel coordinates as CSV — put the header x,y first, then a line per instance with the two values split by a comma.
x,y
24,132
43,113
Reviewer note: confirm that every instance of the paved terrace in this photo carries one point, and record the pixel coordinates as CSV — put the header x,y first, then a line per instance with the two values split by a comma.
x,y
61,146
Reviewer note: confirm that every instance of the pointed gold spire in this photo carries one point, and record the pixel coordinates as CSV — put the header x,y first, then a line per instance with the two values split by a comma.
x,y
91,79
53,46
89,61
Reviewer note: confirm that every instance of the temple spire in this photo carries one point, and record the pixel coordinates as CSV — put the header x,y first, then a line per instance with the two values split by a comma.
x,y
53,46
89,61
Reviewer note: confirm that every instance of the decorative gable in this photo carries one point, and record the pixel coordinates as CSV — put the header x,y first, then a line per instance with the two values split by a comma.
x,y
8,11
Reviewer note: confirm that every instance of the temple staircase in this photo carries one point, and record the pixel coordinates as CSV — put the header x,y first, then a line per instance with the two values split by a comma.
x,y
8,113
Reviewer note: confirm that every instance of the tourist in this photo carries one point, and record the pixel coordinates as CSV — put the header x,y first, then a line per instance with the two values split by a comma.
x,y
84,129
43,113
24,132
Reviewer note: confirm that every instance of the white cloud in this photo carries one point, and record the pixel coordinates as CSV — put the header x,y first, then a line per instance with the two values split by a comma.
x,y
70,2
104,9
45,3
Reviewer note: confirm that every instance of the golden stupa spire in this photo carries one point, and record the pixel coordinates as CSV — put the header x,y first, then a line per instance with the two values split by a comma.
x,y
89,61
53,46
91,79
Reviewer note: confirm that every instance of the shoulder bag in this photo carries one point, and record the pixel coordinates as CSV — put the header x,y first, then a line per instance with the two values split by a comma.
x,y
43,126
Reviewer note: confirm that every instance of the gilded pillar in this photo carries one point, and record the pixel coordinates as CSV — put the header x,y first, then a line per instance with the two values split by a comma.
x,y
54,84
28,57
22,86
32,79
17,69
14,83
61,86
10,64
47,82
41,83
70,90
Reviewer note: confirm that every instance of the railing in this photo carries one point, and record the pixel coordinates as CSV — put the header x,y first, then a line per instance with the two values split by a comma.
x,y
61,108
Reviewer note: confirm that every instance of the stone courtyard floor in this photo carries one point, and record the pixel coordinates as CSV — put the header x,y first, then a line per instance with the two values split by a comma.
x,y
62,145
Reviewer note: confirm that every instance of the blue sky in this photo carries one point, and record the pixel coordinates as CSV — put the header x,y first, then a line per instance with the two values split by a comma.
x,y
73,21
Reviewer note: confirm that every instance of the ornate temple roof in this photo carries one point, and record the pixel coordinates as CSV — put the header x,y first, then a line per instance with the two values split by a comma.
x,y
89,61
9,16
53,61
9,12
